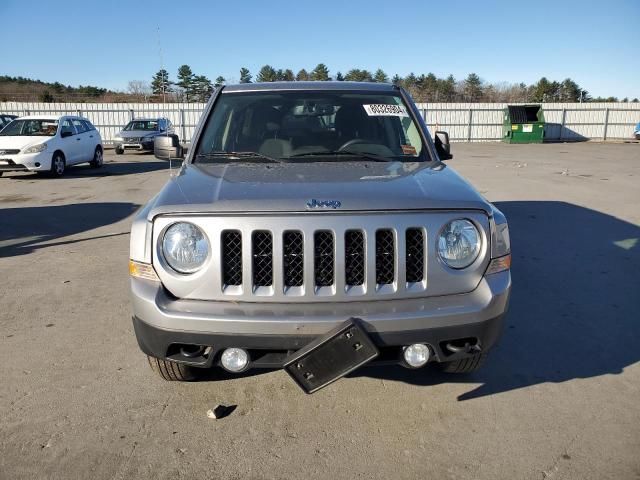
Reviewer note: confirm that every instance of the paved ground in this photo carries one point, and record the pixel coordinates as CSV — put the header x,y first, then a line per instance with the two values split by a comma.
x,y
559,398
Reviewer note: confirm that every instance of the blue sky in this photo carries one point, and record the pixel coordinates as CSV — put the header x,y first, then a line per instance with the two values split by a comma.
x,y
108,43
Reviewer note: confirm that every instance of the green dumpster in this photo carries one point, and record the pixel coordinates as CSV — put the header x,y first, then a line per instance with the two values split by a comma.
x,y
523,124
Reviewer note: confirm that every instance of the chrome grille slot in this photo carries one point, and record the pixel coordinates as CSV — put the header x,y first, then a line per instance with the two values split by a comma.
x,y
262,258
323,258
354,258
232,257
414,263
293,259
385,257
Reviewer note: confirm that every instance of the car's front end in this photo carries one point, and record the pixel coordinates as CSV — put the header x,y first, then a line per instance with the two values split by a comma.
x,y
138,135
247,259
23,150
636,132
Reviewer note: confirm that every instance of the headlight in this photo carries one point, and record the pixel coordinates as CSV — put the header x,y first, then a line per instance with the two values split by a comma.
x,y
185,247
41,147
459,243
117,137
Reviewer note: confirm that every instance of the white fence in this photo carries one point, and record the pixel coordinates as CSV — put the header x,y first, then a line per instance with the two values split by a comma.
x,y
468,122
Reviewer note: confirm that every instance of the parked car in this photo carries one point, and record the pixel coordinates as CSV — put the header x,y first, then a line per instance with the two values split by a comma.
x,y
140,133
5,119
314,227
636,132
49,144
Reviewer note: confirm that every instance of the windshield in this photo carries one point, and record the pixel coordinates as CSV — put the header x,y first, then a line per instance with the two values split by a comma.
x,y
311,126
30,128
146,125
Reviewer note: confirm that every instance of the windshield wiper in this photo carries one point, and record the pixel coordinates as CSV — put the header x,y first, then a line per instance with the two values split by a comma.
x,y
238,156
328,153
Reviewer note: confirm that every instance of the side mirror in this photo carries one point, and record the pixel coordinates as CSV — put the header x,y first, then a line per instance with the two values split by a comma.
x,y
167,147
66,134
443,147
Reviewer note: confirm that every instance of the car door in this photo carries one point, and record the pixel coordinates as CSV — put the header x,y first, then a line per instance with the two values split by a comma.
x,y
94,136
69,141
85,144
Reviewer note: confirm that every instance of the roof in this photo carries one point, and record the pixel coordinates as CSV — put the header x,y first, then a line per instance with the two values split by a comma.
x,y
48,117
271,86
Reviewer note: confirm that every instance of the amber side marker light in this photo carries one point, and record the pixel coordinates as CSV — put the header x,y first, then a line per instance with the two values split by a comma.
x,y
499,264
142,270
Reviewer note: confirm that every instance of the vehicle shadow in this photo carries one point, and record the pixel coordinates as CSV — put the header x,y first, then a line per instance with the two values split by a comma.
x,y
575,305
24,230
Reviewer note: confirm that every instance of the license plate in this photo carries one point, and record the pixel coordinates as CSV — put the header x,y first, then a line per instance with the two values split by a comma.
x,y
331,357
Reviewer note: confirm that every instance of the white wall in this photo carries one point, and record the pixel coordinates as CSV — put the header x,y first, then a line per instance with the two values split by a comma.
x,y
586,120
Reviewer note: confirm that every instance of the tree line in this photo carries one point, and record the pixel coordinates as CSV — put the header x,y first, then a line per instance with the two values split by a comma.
x,y
191,87
423,88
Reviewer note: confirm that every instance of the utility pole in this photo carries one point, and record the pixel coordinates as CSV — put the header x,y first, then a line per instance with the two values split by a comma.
x,y
164,97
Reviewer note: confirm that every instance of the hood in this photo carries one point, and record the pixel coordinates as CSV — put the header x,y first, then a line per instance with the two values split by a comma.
x,y
20,142
136,133
316,186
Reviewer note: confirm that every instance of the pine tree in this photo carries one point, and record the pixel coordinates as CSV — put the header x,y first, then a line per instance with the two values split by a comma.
x,y
185,81
302,76
267,74
245,75
220,81
380,76
160,83
473,88
320,73
339,77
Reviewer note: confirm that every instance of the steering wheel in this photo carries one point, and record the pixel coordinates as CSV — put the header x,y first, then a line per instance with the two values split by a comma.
x,y
353,141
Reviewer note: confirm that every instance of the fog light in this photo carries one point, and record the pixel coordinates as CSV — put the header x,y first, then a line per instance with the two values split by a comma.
x,y
234,359
416,355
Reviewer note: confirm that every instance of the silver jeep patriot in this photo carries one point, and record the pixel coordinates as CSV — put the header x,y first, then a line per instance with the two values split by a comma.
x,y
314,227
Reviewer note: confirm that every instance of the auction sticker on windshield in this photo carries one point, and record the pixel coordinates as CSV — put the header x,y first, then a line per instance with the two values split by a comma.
x,y
384,110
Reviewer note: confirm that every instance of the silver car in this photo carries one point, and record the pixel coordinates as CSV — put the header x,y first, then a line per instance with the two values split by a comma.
x,y
314,227
140,133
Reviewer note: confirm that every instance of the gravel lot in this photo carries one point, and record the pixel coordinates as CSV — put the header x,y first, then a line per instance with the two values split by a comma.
x,y
559,397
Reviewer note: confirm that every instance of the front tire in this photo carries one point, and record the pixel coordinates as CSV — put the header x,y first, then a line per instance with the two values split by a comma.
x,y
98,158
119,150
58,165
465,365
172,371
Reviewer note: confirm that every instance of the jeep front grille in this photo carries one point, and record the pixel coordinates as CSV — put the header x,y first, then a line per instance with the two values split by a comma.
x,y
278,259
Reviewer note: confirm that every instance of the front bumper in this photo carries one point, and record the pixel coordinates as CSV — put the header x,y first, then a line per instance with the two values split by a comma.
x,y
142,145
270,332
32,162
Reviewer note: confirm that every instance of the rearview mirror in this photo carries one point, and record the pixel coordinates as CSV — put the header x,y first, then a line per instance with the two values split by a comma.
x,y
442,145
167,147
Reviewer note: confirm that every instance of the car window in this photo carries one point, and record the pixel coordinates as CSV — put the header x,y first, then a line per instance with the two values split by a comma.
x,y
67,127
88,125
145,125
308,123
79,124
31,128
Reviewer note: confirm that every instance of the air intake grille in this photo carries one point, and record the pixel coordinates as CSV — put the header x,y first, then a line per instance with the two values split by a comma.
x,y
385,253
415,255
354,257
293,260
323,258
262,245
232,257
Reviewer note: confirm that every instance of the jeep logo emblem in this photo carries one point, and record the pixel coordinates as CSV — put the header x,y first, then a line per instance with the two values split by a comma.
x,y
313,203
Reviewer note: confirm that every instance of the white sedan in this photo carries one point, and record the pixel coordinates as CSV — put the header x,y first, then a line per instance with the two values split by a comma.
x,y
49,144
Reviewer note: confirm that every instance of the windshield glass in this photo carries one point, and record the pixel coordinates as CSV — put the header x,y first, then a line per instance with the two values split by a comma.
x,y
30,128
146,125
311,126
